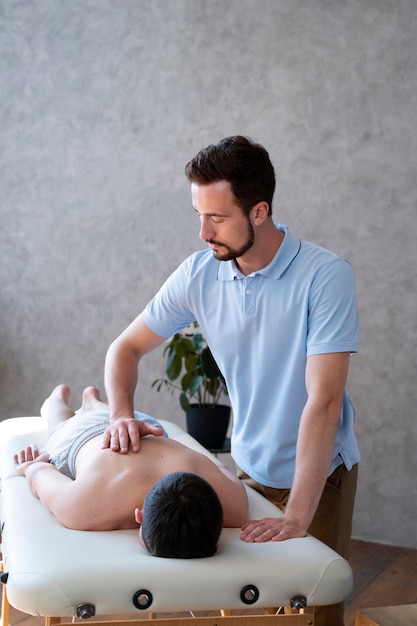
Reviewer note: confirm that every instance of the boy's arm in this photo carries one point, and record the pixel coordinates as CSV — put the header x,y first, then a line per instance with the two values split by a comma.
x,y
55,490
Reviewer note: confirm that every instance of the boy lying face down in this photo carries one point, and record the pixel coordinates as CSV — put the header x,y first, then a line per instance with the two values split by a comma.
x,y
179,497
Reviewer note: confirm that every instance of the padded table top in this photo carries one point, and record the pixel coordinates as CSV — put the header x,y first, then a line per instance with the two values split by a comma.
x,y
52,570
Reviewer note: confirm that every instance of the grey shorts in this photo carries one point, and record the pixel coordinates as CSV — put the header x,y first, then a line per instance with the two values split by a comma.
x,y
65,440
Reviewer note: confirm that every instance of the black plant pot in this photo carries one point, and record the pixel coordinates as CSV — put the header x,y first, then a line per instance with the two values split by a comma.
x,y
209,425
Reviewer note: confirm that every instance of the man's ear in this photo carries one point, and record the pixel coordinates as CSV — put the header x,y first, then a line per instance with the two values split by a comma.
x,y
138,516
259,213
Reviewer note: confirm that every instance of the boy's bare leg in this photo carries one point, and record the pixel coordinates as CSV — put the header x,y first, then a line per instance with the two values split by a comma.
x,y
56,408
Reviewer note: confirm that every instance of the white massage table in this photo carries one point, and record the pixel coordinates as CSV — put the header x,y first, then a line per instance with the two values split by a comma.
x,y
54,572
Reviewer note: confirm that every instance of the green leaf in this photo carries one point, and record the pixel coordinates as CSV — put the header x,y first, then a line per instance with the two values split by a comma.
x,y
195,382
191,362
184,402
184,346
198,341
174,367
185,381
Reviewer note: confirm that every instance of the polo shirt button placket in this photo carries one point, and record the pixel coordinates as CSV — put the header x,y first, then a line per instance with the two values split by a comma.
x,y
250,296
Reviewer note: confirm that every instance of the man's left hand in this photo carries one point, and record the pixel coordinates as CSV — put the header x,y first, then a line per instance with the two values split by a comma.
x,y
271,529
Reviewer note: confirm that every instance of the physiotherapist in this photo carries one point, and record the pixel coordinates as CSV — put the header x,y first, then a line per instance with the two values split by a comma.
x,y
280,317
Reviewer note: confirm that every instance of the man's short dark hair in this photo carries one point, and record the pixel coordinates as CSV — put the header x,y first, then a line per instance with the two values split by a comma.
x,y
182,517
244,164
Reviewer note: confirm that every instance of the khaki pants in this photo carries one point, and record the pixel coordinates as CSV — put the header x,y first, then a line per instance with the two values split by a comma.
x,y
332,523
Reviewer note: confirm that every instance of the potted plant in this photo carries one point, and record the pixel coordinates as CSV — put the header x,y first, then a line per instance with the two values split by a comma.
x,y
192,371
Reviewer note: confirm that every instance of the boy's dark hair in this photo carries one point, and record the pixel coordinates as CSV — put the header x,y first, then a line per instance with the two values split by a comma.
x,y
244,164
182,517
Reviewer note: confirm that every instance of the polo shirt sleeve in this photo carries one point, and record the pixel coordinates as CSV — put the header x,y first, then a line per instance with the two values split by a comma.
x,y
333,321
169,312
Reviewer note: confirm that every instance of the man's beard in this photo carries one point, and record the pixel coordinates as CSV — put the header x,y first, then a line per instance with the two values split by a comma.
x,y
233,254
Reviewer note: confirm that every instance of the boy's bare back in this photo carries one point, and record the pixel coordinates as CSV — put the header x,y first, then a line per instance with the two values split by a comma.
x,y
110,486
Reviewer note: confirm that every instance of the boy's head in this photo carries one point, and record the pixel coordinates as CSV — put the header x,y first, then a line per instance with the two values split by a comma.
x,y
182,517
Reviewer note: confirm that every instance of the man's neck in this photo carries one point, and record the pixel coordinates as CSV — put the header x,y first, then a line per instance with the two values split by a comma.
x,y
268,240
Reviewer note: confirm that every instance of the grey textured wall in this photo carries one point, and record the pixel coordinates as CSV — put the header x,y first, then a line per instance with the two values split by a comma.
x,y
103,102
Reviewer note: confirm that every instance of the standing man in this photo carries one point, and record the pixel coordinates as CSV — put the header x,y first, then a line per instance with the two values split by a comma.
x,y
280,317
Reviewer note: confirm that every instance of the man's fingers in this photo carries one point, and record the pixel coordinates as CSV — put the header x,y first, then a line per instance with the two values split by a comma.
x,y
122,440
122,434
134,435
258,530
149,429
125,433
270,529
106,439
116,438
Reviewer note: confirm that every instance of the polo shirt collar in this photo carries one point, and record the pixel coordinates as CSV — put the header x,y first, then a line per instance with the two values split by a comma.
x,y
287,252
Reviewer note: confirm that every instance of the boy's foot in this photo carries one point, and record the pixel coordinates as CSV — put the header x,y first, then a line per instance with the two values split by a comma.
x,y
91,400
60,395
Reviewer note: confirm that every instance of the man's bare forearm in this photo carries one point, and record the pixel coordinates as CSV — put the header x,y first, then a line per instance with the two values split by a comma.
x,y
325,381
314,455
120,379
121,367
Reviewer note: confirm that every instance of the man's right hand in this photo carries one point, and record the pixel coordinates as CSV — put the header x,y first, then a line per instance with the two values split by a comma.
x,y
125,432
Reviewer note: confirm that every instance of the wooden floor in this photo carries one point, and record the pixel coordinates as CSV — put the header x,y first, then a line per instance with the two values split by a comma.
x,y
383,576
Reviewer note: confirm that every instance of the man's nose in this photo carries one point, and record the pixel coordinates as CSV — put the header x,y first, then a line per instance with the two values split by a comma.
x,y
206,229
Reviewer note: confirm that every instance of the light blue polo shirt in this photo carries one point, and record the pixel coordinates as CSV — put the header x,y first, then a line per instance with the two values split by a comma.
x,y
261,328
